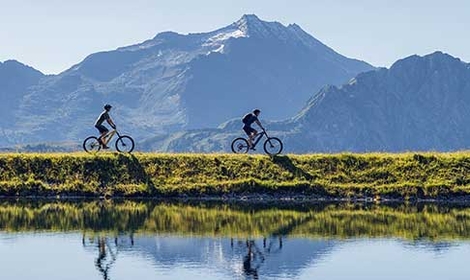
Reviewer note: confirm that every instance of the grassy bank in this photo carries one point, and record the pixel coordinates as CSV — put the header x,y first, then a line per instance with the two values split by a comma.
x,y
402,176
341,220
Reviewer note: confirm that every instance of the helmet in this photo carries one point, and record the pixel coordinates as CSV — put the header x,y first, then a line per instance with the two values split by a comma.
x,y
107,107
256,111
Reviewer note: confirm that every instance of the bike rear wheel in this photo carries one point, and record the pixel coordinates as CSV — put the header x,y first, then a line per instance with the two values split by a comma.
x,y
240,146
91,145
273,146
125,144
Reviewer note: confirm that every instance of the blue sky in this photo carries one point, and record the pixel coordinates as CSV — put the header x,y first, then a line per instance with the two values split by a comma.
x,y
52,35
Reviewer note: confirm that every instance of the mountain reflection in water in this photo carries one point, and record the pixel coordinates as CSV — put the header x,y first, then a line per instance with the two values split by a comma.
x,y
230,256
223,241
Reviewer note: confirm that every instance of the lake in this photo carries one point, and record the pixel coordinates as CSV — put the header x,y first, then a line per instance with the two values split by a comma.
x,y
212,240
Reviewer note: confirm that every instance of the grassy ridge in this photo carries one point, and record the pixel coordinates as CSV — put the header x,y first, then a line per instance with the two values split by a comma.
x,y
429,175
434,222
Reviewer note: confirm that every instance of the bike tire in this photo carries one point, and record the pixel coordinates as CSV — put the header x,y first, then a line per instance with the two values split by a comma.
x,y
240,146
273,146
125,144
91,144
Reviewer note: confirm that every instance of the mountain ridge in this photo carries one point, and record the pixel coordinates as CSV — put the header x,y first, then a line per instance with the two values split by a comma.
x,y
174,81
419,104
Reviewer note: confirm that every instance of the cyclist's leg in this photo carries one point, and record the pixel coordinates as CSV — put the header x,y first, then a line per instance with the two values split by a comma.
x,y
102,142
253,134
102,135
248,131
103,131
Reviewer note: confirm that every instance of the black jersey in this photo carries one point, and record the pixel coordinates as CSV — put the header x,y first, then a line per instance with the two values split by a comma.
x,y
249,119
103,117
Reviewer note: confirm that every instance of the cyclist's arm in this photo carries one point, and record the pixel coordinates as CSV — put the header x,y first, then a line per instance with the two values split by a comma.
x,y
111,123
259,123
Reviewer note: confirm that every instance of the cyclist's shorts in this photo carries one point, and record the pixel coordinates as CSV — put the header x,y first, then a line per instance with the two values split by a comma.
x,y
248,130
101,128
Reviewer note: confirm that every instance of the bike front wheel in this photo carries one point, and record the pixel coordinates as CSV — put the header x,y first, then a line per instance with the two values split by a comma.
x,y
125,144
273,146
91,145
240,146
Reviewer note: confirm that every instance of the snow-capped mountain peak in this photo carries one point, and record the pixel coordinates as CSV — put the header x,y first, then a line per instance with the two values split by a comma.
x,y
247,26
252,26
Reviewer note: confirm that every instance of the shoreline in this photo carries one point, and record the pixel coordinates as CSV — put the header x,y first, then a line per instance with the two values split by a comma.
x,y
253,198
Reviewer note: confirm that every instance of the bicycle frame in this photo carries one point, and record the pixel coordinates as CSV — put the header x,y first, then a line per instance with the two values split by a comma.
x,y
259,136
107,138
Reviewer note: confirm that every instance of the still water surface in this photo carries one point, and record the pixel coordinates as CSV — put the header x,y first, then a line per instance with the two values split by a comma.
x,y
152,240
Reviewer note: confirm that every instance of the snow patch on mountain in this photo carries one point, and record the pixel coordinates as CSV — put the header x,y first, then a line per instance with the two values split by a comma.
x,y
224,36
217,42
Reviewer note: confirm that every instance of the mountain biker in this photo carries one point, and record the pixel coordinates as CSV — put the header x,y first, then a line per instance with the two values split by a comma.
x,y
101,128
248,120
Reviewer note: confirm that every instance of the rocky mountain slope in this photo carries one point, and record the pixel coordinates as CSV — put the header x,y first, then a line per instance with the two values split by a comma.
x,y
420,103
15,80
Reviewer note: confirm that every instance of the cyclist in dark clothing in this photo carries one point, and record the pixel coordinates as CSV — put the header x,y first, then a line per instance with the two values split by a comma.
x,y
104,116
248,120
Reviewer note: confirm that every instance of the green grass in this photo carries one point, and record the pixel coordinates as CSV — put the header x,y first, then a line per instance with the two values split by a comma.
x,y
375,175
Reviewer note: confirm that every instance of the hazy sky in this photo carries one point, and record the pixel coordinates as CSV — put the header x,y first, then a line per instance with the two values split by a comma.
x,y
52,35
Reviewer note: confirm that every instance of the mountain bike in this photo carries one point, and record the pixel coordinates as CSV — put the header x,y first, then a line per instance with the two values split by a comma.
x,y
272,145
124,143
